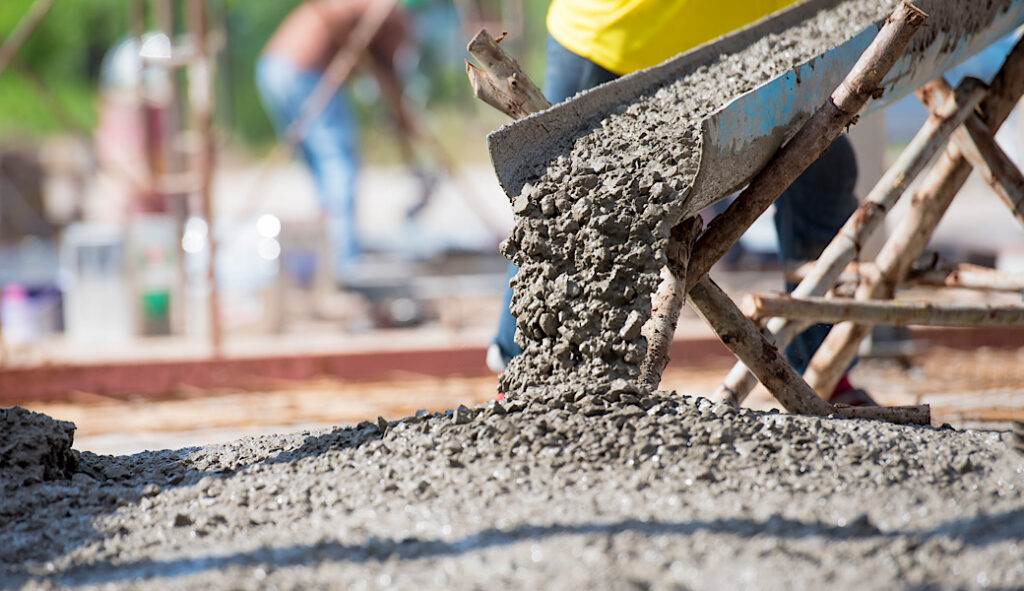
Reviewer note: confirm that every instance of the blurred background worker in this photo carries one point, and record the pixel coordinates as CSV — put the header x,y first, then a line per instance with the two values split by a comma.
x,y
594,41
292,65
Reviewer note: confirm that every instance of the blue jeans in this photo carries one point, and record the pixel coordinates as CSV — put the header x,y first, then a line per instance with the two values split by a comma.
x,y
808,215
328,148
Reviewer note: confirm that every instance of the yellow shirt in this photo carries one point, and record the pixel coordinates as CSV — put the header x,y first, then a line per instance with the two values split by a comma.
x,y
627,35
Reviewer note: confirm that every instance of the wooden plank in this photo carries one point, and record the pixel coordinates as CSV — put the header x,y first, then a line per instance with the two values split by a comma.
x,y
833,310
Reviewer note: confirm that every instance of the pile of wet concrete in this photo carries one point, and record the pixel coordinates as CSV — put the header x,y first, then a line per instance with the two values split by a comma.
x,y
34,448
654,490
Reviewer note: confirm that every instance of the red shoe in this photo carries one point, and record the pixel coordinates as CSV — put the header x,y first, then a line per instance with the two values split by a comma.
x,y
846,394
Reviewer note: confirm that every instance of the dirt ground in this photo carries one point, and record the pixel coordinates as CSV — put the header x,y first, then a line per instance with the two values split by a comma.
x,y
983,389
656,492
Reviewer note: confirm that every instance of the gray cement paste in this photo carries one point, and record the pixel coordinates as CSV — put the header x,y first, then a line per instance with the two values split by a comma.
x,y
670,492
581,480
34,448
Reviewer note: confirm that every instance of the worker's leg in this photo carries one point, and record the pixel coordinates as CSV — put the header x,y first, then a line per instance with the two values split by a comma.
x,y
567,74
807,216
328,148
504,346
331,147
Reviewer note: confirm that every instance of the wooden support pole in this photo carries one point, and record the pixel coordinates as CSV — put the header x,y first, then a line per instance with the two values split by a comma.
x,y
668,301
980,149
23,31
968,277
500,81
741,336
832,310
867,219
810,142
902,415
914,231
201,95
935,274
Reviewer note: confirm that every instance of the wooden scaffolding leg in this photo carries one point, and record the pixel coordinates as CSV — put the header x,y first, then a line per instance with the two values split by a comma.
x,y
22,31
806,146
201,93
979,147
831,310
500,81
914,231
930,271
668,301
742,337
864,222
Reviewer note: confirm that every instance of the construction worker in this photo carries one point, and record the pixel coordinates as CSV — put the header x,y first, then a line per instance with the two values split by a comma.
x,y
291,66
594,41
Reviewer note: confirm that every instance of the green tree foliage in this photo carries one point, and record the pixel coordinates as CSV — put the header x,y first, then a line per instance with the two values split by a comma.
x,y
65,52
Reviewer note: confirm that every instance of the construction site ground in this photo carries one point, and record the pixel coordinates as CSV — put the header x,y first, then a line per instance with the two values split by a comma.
x,y
684,495
982,389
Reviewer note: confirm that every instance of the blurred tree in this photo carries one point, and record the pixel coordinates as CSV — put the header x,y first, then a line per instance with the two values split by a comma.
x,y
68,47
65,52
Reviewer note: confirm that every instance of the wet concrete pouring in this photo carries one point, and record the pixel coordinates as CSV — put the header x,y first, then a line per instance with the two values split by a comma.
x,y
580,479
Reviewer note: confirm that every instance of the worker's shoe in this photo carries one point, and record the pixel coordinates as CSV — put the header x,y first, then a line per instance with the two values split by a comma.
x,y
846,394
496,360
853,397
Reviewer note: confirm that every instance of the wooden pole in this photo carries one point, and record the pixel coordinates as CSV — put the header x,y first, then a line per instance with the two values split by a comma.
x,y
201,94
969,277
810,142
500,81
173,169
936,274
914,231
668,301
980,149
867,219
742,337
23,31
902,415
832,310
739,334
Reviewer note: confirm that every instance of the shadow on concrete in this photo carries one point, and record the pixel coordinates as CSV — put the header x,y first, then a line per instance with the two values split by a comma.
x,y
978,531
